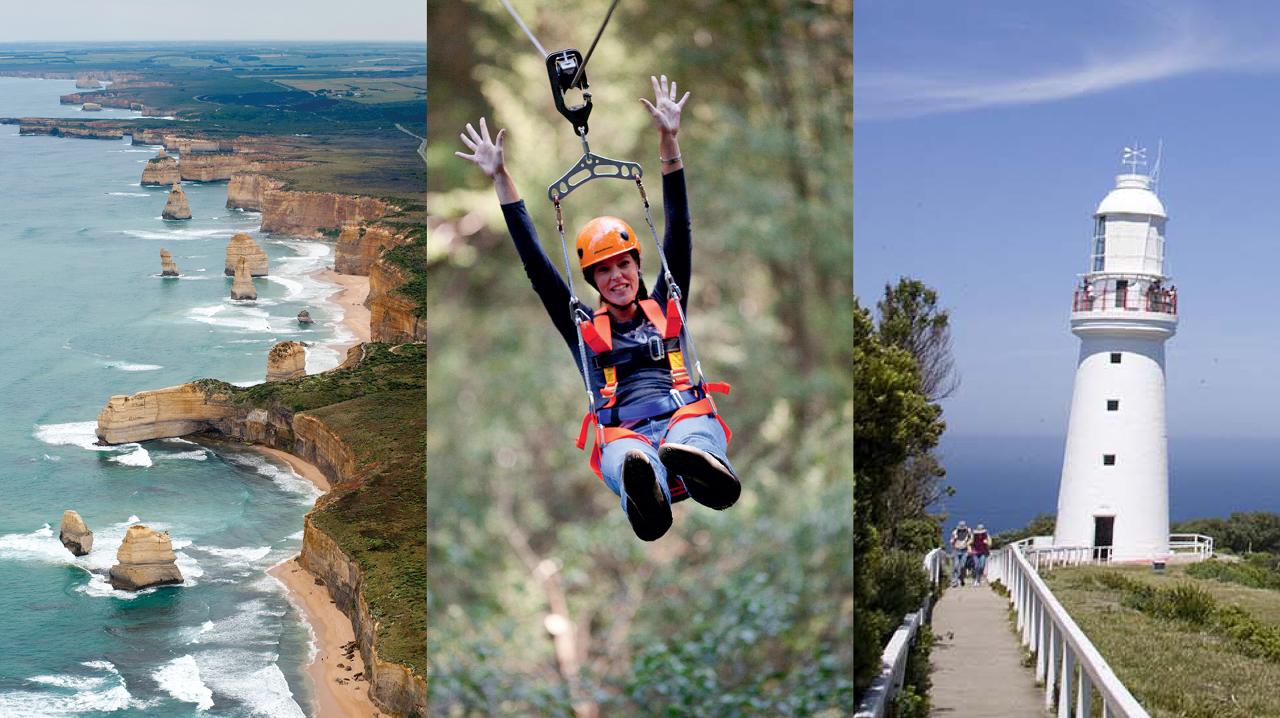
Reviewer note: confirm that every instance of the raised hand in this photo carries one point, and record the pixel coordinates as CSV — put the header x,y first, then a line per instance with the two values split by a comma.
x,y
485,152
665,109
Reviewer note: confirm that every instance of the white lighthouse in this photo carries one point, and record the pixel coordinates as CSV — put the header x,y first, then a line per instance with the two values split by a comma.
x,y
1114,493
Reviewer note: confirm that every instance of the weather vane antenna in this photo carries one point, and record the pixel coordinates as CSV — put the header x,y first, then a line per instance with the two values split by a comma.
x,y
1134,156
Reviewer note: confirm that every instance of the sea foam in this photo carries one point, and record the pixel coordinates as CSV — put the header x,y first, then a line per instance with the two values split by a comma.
x,y
181,679
102,690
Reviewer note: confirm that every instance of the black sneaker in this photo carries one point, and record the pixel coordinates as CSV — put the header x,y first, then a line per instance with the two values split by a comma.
x,y
647,507
709,482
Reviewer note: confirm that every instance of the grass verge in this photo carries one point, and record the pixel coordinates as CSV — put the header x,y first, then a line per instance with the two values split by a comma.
x,y
1213,639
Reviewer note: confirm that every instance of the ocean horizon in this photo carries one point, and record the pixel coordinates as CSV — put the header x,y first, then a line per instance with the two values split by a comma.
x,y
1004,482
88,317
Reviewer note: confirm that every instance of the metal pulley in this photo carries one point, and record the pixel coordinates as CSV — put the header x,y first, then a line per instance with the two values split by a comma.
x,y
566,71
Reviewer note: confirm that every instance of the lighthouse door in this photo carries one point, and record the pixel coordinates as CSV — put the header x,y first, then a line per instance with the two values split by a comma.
x,y
1103,529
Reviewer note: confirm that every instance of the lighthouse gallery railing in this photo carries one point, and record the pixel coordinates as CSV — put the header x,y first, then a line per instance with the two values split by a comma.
x,y
1160,301
1067,663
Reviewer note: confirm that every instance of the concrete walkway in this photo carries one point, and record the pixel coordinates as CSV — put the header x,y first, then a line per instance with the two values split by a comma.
x,y
977,660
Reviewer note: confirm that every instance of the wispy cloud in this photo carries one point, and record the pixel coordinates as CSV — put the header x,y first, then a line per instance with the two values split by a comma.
x,y
1184,46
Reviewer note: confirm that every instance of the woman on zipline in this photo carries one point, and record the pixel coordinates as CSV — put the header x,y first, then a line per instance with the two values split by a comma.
x,y
659,427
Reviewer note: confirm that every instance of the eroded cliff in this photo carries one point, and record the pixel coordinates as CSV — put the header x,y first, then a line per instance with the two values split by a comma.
x,y
362,426
307,213
245,190
359,246
392,317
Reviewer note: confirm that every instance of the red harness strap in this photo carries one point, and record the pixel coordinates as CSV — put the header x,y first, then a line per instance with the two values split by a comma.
x,y
603,435
607,434
598,334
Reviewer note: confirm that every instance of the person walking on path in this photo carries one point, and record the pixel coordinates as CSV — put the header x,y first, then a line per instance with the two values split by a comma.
x,y
980,548
961,537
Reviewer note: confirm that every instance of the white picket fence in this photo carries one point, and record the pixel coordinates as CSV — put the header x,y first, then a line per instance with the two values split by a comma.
x,y
1067,663
877,701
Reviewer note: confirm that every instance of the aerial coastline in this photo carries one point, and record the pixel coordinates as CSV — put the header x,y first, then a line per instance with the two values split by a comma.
x,y
336,694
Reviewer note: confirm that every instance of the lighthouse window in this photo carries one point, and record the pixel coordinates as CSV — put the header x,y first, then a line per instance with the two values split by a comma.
x,y
1113,405
1115,357
1099,244
1108,459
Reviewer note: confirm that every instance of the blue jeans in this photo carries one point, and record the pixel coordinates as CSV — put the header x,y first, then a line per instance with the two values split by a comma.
x,y
979,566
958,557
701,432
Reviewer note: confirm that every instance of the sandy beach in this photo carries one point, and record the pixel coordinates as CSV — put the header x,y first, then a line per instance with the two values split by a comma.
x,y
352,290
337,693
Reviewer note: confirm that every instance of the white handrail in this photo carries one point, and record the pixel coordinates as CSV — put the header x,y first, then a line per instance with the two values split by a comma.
x,y
1065,658
1198,545
893,661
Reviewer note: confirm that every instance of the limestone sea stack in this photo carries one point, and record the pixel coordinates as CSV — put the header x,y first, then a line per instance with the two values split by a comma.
x,y
167,267
286,360
87,82
242,286
304,317
161,170
91,107
176,207
74,534
242,245
145,559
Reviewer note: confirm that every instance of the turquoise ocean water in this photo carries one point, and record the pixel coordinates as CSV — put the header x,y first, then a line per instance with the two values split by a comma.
x,y
84,315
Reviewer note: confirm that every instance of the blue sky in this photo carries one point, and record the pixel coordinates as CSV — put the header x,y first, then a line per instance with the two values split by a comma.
x,y
986,133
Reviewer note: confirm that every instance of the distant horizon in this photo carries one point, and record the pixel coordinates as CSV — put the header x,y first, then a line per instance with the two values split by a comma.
x,y
357,41
135,21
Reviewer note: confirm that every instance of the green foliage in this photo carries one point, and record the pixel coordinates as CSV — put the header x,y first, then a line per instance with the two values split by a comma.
x,y
1041,525
913,700
1259,571
412,257
1242,532
911,319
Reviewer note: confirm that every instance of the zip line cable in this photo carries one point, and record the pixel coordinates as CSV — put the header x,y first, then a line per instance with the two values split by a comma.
x,y
529,32
582,68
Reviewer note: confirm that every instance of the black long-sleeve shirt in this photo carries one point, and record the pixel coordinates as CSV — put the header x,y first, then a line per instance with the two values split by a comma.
x,y
644,383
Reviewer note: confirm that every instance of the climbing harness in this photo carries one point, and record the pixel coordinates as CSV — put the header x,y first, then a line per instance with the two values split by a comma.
x,y
690,391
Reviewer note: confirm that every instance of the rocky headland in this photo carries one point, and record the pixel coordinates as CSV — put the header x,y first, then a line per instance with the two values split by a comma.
x,y
361,426
74,534
176,207
80,129
240,247
286,211
161,171
211,166
145,559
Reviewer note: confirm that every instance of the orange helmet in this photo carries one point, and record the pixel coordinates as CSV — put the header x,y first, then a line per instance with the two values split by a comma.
x,y
605,237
